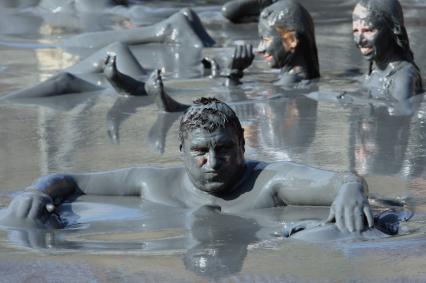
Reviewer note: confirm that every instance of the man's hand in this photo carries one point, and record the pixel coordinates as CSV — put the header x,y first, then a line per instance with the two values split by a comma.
x,y
31,209
349,209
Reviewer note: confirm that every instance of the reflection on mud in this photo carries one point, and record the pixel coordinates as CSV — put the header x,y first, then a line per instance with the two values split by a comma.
x,y
214,245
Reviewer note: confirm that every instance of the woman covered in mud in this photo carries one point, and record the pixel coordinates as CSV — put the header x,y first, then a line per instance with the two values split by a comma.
x,y
287,41
380,34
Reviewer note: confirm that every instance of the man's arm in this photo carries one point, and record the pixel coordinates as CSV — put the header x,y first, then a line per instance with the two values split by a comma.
x,y
34,207
346,193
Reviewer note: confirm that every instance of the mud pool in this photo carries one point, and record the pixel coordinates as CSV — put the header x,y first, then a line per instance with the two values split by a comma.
x,y
113,239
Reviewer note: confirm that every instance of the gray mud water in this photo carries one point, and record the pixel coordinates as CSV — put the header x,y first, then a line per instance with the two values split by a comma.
x,y
128,240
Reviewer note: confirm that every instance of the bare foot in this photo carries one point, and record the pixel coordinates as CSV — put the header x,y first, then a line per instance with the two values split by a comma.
x,y
154,87
110,66
122,83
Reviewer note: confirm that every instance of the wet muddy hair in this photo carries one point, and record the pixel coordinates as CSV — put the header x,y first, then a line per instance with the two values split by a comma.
x,y
289,15
209,113
389,14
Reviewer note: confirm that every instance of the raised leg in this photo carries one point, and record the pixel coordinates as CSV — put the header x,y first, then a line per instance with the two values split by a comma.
x,y
154,87
183,27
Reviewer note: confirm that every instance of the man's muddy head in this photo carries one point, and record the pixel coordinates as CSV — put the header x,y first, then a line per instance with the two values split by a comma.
x,y
286,28
212,145
378,26
209,114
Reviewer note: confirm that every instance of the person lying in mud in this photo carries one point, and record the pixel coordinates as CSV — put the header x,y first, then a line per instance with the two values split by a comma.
x,y
183,27
380,34
287,42
215,172
102,69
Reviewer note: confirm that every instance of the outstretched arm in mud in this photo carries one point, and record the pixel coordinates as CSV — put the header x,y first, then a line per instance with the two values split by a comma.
x,y
346,193
35,207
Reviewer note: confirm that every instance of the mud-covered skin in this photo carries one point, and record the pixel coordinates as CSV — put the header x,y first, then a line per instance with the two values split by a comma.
x,y
92,74
240,11
155,88
386,223
287,41
380,34
114,64
122,83
398,82
183,27
215,173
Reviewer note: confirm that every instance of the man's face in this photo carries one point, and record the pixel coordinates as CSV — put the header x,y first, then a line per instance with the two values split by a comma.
x,y
271,47
214,161
372,40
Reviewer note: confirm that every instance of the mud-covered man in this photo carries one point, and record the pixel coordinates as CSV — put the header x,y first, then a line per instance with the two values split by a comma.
x,y
214,173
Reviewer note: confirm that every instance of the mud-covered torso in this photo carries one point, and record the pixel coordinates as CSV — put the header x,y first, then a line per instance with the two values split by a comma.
x,y
382,84
252,192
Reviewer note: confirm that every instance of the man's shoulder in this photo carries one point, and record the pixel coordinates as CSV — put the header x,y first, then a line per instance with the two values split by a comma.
x,y
158,171
256,165
276,166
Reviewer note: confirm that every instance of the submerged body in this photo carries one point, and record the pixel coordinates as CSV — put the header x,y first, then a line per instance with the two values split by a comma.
x,y
214,173
380,34
287,41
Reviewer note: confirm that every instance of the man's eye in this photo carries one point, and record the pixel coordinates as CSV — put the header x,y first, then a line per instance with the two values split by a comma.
x,y
199,150
223,147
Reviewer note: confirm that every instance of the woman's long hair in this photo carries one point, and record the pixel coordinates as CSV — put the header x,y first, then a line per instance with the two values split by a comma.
x,y
290,15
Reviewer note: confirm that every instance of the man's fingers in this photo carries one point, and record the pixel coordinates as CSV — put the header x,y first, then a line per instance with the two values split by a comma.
x,y
359,219
331,215
349,219
369,216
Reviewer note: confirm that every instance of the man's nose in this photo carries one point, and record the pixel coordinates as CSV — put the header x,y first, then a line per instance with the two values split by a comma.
x,y
213,161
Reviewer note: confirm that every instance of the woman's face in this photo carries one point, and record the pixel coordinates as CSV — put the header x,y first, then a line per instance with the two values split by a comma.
x,y
272,47
371,39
